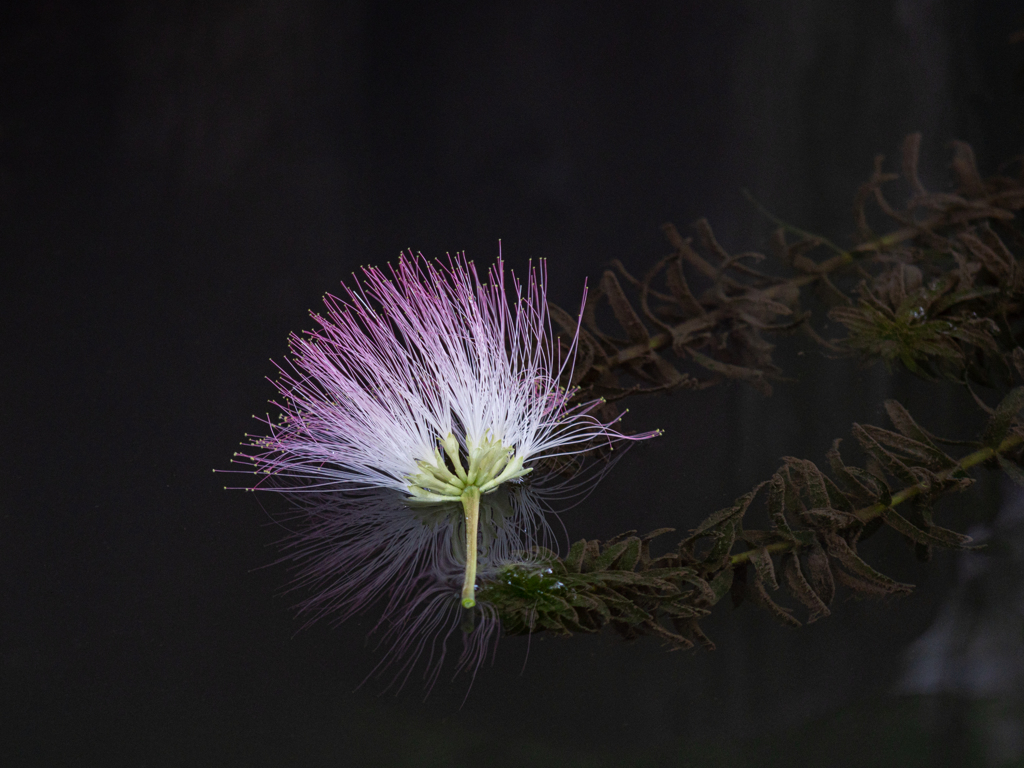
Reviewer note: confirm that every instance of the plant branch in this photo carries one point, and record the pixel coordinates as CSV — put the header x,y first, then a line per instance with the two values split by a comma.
x,y
867,514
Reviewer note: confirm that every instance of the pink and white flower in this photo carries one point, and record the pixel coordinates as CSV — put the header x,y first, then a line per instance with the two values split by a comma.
x,y
429,381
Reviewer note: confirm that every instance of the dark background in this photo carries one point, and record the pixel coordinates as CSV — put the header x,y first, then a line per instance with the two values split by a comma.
x,y
179,185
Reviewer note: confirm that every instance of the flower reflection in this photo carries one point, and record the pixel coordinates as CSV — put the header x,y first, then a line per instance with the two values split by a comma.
x,y
355,551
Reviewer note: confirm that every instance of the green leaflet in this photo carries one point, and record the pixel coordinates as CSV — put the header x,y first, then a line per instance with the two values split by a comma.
x,y
1003,418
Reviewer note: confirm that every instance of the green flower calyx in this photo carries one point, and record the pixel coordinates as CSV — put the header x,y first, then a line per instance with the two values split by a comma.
x,y
490,465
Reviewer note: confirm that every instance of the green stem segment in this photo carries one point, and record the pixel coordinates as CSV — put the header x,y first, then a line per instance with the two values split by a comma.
x,y
867,514
471,506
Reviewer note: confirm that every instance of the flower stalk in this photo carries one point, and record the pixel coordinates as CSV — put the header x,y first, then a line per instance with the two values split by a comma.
x,y
471,509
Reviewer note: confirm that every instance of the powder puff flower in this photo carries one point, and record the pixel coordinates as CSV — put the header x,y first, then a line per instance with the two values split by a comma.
x,y
426,380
